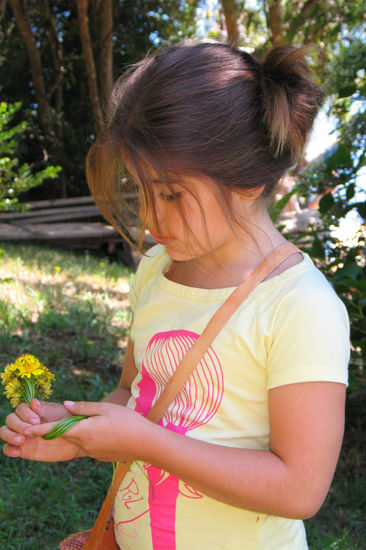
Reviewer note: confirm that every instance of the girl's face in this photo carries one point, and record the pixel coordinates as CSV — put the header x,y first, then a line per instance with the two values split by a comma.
x,y
192,222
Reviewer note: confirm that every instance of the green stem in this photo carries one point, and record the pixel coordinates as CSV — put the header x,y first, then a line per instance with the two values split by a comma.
x,y
63,427
28,392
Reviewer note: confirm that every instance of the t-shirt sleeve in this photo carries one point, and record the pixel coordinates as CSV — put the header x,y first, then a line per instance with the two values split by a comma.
x,y
132,295
310,339
145,270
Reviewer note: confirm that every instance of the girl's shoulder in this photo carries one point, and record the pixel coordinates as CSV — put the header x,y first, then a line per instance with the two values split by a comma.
x,y
151,264
302,293
154,261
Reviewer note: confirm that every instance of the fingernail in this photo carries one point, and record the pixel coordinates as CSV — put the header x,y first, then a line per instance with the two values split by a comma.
x,y
69,403
35,421
18,440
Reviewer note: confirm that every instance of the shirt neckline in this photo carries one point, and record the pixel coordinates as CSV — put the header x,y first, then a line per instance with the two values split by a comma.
x,y
178,289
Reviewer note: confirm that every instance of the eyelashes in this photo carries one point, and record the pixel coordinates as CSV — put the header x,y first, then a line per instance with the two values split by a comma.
x,y
169,197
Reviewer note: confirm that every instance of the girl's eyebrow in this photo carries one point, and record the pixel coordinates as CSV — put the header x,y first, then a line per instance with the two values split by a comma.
x,y
164,182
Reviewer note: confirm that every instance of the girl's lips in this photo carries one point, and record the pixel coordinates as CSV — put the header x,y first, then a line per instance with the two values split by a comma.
x,y
161,239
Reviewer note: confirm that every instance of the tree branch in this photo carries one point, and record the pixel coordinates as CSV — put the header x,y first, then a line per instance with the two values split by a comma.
x,y
230,9
106,49
275,23
83,20
44,109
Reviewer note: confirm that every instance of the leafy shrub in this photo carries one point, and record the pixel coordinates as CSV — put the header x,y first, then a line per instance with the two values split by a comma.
x,y
16,178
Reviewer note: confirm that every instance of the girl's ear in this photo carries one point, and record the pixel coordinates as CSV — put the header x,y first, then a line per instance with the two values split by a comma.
x,y
250,194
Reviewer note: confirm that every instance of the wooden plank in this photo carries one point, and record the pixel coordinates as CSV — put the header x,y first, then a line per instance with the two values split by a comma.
x,y
35,216
72,201
81,232
12,233
59,231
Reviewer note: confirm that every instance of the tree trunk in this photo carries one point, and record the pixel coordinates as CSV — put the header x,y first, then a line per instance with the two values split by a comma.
x,y
230,9
44,109
83,20
56,52
106,50
275,23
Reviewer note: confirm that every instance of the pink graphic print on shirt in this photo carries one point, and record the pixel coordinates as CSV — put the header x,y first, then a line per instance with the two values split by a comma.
x,y
195,405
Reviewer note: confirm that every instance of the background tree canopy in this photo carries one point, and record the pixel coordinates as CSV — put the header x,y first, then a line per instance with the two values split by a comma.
x,y
59,59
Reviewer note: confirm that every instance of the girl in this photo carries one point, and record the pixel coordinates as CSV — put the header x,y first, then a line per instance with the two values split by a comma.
x,y
249,446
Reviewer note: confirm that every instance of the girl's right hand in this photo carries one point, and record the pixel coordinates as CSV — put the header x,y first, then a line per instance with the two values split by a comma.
x,y
36,448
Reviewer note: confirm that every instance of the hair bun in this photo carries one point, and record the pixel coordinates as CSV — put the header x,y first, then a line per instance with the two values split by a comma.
x,y
290,100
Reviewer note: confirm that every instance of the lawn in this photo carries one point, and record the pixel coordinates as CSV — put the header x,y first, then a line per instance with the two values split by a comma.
x,y
71,311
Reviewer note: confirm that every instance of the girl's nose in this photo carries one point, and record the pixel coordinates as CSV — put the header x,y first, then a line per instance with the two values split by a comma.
x,y
159,212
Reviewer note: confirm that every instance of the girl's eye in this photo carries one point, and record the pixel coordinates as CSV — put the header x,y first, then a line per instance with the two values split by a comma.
x,y
171,197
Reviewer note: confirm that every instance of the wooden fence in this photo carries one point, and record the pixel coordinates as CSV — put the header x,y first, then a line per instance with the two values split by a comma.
x,y
71,223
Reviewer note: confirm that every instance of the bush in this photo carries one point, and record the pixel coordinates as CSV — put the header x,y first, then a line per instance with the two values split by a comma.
x,y
15,178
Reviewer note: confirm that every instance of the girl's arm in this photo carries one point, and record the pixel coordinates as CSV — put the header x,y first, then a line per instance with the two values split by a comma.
x,y
291,479
121,395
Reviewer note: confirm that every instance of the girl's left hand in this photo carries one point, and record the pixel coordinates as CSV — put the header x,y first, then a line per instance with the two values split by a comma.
x,y
111,433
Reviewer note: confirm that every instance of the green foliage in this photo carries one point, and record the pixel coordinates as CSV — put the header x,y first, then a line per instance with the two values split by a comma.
x,y
335,177
15,178
138,26
275,207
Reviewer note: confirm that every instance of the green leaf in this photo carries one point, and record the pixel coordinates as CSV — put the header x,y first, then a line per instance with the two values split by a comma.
x,y
326,203
277,207
341,157
350,270
361,209
350,192
63,427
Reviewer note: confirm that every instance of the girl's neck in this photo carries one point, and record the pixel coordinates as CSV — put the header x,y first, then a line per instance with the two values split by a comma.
x,y
233,264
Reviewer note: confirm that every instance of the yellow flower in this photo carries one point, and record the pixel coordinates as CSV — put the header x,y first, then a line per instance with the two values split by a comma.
x,y
8,373
28,365
26,378
90,342
44,389
57,268
102,264
15,400
13,389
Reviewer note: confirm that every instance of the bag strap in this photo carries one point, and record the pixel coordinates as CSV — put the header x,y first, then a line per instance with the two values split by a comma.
x,y
187,366
214,326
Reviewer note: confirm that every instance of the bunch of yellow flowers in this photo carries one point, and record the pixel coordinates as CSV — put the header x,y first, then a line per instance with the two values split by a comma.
x,y
27,377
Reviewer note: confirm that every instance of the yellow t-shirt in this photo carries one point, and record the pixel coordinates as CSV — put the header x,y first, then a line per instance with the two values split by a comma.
x,y
291,328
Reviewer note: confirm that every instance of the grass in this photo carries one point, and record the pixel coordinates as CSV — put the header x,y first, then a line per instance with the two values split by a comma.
x,y
71,311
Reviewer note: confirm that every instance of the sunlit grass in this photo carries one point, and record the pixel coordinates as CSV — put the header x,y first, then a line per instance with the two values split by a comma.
x,y
70,311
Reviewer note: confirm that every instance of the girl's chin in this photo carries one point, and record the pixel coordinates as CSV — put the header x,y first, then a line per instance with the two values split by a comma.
x,y
180,255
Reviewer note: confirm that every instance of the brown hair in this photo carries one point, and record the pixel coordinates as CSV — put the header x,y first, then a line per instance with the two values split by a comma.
x,y
203,109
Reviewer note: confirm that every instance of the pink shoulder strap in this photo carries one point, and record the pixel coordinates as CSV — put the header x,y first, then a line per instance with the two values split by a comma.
x,y
216,323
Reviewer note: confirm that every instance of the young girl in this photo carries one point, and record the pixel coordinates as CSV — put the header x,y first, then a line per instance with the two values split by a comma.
x,y
249,446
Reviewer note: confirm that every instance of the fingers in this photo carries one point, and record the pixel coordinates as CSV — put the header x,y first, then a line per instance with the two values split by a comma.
x,y
11,451
48,411
87,408
11,437
40,429
26,414
15,424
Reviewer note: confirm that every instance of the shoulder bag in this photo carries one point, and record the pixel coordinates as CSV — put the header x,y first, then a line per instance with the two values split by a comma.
x,y
101,536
